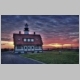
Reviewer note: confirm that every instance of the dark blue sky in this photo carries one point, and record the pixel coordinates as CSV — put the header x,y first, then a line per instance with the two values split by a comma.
x,y
53,28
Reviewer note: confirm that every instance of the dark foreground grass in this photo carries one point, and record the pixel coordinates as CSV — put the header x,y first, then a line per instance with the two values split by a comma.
x,y
53,57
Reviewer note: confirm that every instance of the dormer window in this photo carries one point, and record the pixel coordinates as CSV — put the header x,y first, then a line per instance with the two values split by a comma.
x,y
32,40
28,40
25,40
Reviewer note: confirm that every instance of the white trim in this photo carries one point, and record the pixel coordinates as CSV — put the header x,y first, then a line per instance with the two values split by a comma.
x,y
35,49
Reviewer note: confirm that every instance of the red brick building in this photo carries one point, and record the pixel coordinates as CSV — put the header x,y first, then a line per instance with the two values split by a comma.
x,y
27,42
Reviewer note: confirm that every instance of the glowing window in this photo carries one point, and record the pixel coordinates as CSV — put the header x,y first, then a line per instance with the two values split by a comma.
x,y
24,40
28,40
32,40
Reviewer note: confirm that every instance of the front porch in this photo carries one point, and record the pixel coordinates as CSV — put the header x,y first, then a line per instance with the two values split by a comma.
x,y
28,48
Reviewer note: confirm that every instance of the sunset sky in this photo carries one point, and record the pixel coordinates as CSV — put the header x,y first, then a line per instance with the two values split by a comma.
x,y
55,30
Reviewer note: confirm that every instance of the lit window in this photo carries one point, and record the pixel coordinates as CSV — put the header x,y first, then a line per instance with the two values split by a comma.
x,y
32,40
24,40
28,40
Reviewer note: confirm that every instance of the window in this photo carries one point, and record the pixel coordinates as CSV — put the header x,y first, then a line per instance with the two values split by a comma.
x,y
37,46
28,47
28,40
25,47
24,40
18,47
32,40
18,38
32,47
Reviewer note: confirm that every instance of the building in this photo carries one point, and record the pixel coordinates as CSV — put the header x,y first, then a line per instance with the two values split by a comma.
x,y
26,42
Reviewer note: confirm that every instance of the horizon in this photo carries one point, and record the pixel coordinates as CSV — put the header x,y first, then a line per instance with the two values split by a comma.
x,y
56,30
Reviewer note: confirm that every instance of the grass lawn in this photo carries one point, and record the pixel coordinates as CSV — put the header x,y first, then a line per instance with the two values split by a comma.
x,y
53,57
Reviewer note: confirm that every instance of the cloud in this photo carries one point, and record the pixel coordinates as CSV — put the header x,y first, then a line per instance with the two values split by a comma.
x,y
51,27
76,40
3,44
5,39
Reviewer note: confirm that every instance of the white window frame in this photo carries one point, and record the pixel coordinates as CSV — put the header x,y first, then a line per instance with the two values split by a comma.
x,y
32,47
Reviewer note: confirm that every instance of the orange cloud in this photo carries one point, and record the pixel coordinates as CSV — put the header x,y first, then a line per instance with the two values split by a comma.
x,y
7,44
59,45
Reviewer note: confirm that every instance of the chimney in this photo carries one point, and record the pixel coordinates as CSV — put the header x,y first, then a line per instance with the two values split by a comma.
x,y
19,32
34,33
